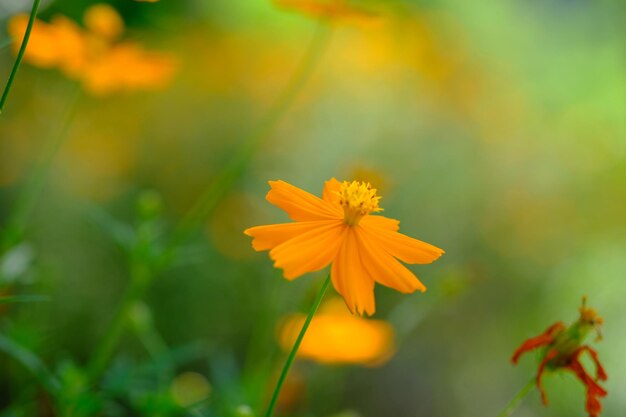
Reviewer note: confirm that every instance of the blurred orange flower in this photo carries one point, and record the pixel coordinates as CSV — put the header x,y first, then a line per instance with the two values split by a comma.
x,y
562,349
94,56
339,229
337,337
326,9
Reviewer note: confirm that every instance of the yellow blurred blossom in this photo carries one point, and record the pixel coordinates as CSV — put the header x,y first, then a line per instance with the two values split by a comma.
x,y
337,337
103,20
190,388
326,9
370,175
60,43
94,56
127,66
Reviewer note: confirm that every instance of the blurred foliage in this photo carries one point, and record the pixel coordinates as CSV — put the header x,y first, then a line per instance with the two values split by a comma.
x,y
496,131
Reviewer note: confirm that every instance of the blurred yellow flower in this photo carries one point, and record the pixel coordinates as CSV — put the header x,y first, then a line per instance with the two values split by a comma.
x,y
337,337
94,56
326,9
58,44
127,66
190,388
339,229
103,20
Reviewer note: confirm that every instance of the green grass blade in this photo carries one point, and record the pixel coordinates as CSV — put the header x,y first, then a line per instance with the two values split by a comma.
x,y
31,362
20,54
12,299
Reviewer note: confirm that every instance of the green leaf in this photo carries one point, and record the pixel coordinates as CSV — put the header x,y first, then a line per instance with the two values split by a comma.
x,y
31,362
120,233
11,299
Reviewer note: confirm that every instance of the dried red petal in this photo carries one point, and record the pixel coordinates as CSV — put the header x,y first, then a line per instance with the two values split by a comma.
x,y
542,366
543,339
600,372
593,405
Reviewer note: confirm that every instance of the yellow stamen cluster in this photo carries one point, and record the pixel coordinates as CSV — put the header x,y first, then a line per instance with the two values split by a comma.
x,y
589,317
357,199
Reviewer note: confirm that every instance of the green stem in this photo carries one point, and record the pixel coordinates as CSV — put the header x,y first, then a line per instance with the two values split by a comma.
x,y
207,202
11,299
36,182
517,400
143,327
296,345
31,362
250,144
140,280
20,54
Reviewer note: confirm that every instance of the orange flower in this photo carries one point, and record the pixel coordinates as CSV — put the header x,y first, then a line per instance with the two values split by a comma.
x,y
325,9
58,44
339,229
93,56
562,349
127,66
336,337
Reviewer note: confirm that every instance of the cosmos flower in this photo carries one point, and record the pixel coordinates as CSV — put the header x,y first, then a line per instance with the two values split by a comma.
x,y
94,55
562,348
340,229
337,337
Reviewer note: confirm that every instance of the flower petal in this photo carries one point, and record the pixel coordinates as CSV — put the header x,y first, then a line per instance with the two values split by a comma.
x,y
384,268
270,236
309,251
299,204
380,222
337,337
600,372
551,354
331,191
543,339
351,279
594,391
407,249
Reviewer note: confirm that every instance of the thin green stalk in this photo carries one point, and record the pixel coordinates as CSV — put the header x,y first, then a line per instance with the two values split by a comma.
x,y
143,327
12,299
16,225
517,400
296,346
209,199
140,280
250,144
31,362
20,54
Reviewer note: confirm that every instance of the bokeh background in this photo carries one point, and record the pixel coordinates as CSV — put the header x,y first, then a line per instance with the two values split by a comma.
x,y
495,130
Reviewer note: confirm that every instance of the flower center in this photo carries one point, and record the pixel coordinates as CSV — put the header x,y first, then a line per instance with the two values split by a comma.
x,y
590,319
357,199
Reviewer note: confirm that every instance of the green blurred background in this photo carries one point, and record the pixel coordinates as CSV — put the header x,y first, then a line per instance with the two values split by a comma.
x,y
494,130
